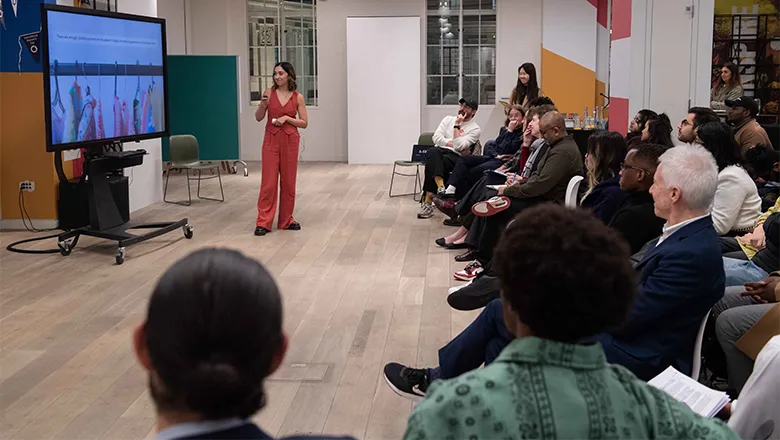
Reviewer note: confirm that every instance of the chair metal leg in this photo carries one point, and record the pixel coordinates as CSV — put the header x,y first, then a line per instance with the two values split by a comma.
x,y
165,187
221,191
416,175
417,184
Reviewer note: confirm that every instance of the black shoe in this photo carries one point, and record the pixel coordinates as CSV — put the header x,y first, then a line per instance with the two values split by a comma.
x,y
260,231
451,222
294,226
469,255
441,242
446,206
476,294
455,246
411,383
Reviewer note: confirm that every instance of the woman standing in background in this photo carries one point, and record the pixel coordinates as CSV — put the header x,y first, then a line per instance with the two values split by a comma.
x,y
527,87
280,149
729,86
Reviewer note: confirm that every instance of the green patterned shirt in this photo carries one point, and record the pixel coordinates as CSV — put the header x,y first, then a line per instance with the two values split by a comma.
x,y
540,389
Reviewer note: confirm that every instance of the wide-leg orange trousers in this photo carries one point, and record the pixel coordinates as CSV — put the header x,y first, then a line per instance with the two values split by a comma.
x,y
280,169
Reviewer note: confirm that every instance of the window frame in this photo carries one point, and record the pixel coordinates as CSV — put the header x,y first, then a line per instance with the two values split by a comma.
x,y
281,48
460,75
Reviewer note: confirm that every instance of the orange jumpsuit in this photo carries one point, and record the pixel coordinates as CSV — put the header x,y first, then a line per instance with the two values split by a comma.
x,y
280,164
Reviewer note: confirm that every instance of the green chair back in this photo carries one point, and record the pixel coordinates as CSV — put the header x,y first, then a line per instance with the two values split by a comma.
x,y
184,151
426,139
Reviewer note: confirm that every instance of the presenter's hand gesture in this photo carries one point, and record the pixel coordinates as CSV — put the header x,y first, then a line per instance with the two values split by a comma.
x,y
280,121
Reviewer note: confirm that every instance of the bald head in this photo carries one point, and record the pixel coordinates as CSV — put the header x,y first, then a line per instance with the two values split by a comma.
x,y
553,127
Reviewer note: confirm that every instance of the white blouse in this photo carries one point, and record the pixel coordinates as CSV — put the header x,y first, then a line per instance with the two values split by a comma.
x,y
736,205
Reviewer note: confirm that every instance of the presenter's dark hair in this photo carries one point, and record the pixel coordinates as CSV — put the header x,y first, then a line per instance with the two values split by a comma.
x,y
549,250
213,328
292,85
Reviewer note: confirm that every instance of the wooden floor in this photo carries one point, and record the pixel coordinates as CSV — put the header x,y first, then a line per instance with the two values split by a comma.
x,y
363,284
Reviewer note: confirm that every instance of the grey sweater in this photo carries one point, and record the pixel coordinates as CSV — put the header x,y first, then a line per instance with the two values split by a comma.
x,y
559,164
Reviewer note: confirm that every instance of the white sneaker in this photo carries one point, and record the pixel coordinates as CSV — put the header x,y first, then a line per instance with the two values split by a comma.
x,y
426,211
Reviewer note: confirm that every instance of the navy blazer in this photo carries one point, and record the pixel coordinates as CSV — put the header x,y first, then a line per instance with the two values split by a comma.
x,y
679,282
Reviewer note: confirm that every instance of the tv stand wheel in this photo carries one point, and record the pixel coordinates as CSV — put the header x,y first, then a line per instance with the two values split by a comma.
x,y
120,255
66,247
188,231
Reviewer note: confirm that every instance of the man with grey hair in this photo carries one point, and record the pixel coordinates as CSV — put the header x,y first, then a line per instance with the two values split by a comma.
x,y
681,273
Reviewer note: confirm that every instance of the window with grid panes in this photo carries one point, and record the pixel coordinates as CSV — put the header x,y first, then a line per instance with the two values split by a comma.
x,y
461,51
282,30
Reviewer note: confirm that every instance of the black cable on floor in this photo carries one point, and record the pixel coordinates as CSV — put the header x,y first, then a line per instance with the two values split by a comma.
x,y
25,218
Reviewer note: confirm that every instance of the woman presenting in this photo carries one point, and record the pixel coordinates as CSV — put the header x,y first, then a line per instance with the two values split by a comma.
x,y
280,149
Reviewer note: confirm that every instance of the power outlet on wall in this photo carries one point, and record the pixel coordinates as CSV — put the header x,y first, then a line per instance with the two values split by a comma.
x,y
27,185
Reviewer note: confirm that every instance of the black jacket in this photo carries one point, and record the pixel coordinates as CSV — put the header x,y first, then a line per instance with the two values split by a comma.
x,y
250,431
636,221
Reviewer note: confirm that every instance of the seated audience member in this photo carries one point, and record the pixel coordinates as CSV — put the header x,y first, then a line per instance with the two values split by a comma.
x,y
747,131
454,137
555,166
746,247
213,334
764,164
680,279
755,415
658,130
729,86
479,191
737,205
740,270
736,314
637,126
635,219
508,142
697,116
550,380
606,151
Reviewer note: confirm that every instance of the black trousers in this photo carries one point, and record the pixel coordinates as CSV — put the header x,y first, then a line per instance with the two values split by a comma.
x,y
439,163
468,170
486,231
730,248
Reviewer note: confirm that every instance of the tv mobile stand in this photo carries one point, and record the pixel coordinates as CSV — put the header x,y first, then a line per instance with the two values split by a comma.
x,y
109,212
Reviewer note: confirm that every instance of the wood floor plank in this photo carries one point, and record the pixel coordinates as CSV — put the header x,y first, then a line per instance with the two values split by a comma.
x,y
362,284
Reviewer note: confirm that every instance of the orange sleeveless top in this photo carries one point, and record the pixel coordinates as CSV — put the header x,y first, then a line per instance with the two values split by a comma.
x,y
277,110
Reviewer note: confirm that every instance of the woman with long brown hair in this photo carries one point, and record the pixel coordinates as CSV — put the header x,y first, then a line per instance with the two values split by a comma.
x,y
729,87
286,114
606,151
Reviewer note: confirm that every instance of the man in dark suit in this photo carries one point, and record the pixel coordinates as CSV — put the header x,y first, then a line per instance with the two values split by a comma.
x,y
635,219
681,275
680,278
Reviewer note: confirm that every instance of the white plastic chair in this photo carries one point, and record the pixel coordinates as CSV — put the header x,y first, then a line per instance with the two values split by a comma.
x,y
572,190
696,369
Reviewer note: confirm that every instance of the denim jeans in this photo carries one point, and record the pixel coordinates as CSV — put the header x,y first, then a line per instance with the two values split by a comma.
x,y
739,272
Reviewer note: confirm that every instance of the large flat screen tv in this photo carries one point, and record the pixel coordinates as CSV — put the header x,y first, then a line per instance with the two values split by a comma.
x,y
105,77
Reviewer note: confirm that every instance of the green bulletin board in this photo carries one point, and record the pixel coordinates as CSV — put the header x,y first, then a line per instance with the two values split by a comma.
x,y
203,102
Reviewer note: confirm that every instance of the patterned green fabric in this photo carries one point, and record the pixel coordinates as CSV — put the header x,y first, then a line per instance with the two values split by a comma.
x,y
540,389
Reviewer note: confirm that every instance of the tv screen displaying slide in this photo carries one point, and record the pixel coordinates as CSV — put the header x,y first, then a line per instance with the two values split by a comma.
x,y
104,77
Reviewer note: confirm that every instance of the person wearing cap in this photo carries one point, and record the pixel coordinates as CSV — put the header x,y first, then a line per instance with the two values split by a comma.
x,y
747,131
455,137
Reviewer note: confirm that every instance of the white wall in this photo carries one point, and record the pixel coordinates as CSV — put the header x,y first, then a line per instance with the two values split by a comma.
x,y
219,27
656,48
173,12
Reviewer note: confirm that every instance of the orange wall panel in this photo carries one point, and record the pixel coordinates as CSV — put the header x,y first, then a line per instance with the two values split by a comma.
x,y
571,86
23,153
